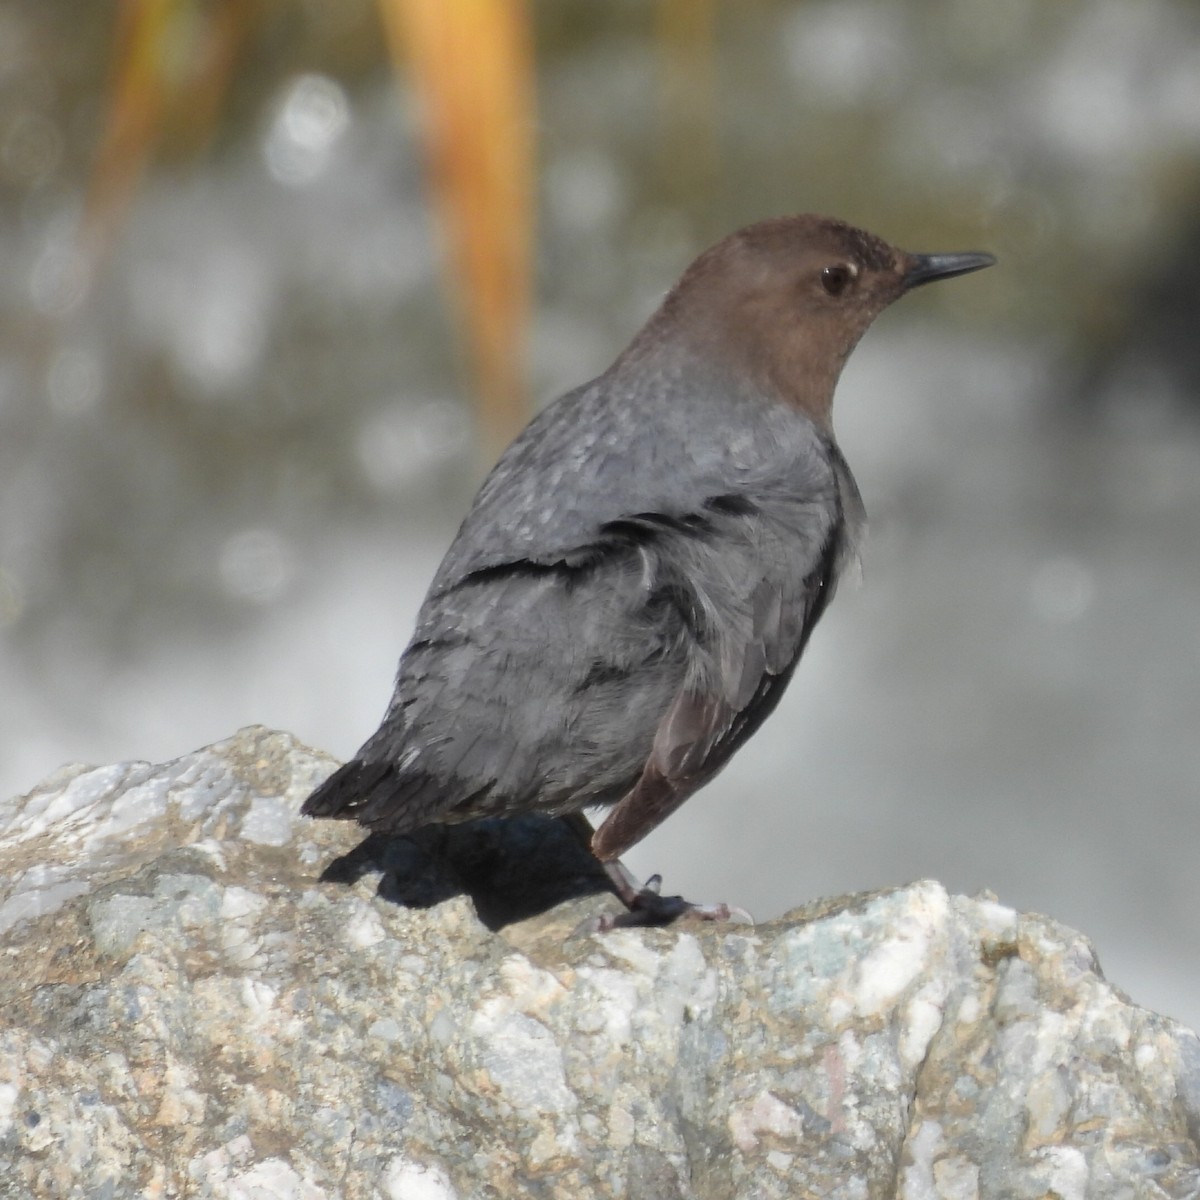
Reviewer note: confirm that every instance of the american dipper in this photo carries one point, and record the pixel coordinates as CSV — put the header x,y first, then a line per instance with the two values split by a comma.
x,y
638,576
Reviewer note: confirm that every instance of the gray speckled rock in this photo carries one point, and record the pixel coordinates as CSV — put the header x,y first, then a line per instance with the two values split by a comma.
x,y
187,1010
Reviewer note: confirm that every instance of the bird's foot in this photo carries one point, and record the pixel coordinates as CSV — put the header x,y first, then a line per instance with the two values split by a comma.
x,y
647,906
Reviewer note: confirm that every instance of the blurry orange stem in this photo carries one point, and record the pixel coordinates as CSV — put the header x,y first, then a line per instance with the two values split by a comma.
x,y
173,55
133,116
471,63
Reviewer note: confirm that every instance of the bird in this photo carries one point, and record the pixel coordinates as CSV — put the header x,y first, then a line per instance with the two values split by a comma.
x,y
639,574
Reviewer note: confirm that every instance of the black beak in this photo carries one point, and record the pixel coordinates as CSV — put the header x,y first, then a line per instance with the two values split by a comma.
x,y
925,268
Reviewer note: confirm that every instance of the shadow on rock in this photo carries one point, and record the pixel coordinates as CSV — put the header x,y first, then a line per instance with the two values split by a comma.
x,y
512,868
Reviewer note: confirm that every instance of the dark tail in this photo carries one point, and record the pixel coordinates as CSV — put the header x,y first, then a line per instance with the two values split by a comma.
x,y
351,788
379,796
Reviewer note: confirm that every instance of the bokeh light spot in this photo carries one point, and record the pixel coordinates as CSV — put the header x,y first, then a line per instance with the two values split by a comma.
x,y
256,565
74,381
1062,590
400,442
312,117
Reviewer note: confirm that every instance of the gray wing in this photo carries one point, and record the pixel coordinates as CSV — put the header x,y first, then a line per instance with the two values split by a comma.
x,y
665,444
595,631
761,592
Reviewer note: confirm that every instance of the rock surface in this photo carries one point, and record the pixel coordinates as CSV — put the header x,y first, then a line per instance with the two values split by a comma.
x,y
188,1009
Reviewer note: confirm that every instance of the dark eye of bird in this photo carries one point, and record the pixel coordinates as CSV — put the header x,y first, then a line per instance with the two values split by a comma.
x,y
836,279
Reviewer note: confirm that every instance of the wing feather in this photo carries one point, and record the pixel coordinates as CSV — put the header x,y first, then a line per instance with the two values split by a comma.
x,y
602,636
710,718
